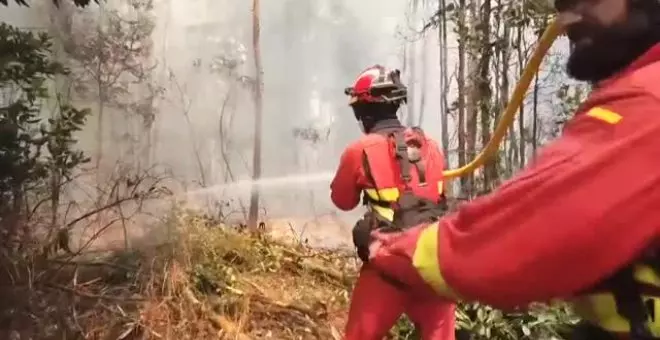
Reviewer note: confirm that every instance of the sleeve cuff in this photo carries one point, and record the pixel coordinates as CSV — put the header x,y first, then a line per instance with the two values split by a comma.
x,y
426,260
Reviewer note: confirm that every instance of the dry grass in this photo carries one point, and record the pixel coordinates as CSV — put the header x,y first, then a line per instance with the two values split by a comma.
x,y
207,282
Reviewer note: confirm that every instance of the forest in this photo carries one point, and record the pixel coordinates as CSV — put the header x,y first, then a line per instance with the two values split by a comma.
x,y
165,166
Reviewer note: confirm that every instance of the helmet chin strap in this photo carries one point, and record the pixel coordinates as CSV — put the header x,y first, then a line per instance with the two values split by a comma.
x,y
366,124
362,127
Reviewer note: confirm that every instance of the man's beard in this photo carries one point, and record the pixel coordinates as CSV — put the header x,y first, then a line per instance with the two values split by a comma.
x,y
612,48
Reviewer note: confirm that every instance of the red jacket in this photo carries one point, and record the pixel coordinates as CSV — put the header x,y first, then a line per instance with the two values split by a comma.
x,y
351,178
587,206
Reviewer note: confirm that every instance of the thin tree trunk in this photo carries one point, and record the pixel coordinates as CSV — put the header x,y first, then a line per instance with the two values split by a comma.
x,y
520,153
535,115
99,133
253,219
412,60
444,79
462,47
422,88
474,95
521,117
405,109
485,91
505,53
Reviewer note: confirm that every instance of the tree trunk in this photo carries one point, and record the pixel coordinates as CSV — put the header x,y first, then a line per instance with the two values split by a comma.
x,y
462,51
485,92
412,62
535,115
99,135
405,109
474,95
422,87
444,79
253,219
505,57
521,117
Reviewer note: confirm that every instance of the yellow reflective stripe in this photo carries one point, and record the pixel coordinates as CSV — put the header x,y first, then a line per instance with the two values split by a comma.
x,y
646,275
605,115
426,262
600,309
441,187
383,195
372,193
385,213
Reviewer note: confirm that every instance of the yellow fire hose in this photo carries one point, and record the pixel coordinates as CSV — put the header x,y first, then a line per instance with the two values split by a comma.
x,y
551,33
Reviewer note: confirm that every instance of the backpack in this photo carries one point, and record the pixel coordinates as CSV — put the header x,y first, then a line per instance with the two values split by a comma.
x,y
415,204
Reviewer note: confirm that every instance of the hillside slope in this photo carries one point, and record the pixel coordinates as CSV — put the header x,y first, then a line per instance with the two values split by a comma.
x,y
207,281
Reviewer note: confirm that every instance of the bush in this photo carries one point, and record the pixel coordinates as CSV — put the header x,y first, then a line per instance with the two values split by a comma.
x,y
481,322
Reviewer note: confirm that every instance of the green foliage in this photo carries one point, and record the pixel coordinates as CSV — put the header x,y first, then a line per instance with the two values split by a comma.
x,y
539,322
570,97
35,152
405,330
486,323
111,52
79,3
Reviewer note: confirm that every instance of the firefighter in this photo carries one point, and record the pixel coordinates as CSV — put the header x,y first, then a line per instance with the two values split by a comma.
x,y
399,172
581,222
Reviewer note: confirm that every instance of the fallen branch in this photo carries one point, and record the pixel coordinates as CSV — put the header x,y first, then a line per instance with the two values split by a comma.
x,y
217,320
263,298
94,264
329,274
302,261
98,210
93,296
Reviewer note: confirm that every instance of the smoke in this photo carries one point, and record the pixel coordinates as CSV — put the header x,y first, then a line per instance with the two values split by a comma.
x,y
311,50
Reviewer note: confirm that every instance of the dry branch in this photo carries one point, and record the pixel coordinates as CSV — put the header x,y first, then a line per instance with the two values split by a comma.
x,y
94,296
217,320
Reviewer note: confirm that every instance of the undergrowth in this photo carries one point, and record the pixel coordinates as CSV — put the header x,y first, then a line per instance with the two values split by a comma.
x,y
211,281
206,282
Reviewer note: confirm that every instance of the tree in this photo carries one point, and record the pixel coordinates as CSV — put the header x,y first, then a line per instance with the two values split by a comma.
x,y
109,58
37,155
495,38
79,3
253,216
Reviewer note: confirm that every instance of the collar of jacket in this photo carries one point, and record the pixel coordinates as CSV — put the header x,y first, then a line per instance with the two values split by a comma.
x,y
386,125
652,55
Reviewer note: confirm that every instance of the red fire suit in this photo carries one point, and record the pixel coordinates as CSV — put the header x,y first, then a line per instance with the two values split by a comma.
x,y
587,206
376,304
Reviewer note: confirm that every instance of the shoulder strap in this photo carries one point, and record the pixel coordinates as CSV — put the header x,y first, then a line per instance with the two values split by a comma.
x,y
368,175
419,164
401,152
629,303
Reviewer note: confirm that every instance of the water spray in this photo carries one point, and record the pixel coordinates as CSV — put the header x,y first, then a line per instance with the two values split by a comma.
x,y
551,33
268,182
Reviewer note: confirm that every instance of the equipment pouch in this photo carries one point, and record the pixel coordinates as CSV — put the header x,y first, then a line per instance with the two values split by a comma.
x,y
362,237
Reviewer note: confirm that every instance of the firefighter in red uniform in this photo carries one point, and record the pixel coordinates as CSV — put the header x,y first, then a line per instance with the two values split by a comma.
x,y
581,222
399,172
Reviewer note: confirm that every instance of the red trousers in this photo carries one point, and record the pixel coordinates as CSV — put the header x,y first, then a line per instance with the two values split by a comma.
x,y
377,304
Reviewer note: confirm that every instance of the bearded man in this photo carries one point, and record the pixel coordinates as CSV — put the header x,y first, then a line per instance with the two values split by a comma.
x,y
582,222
